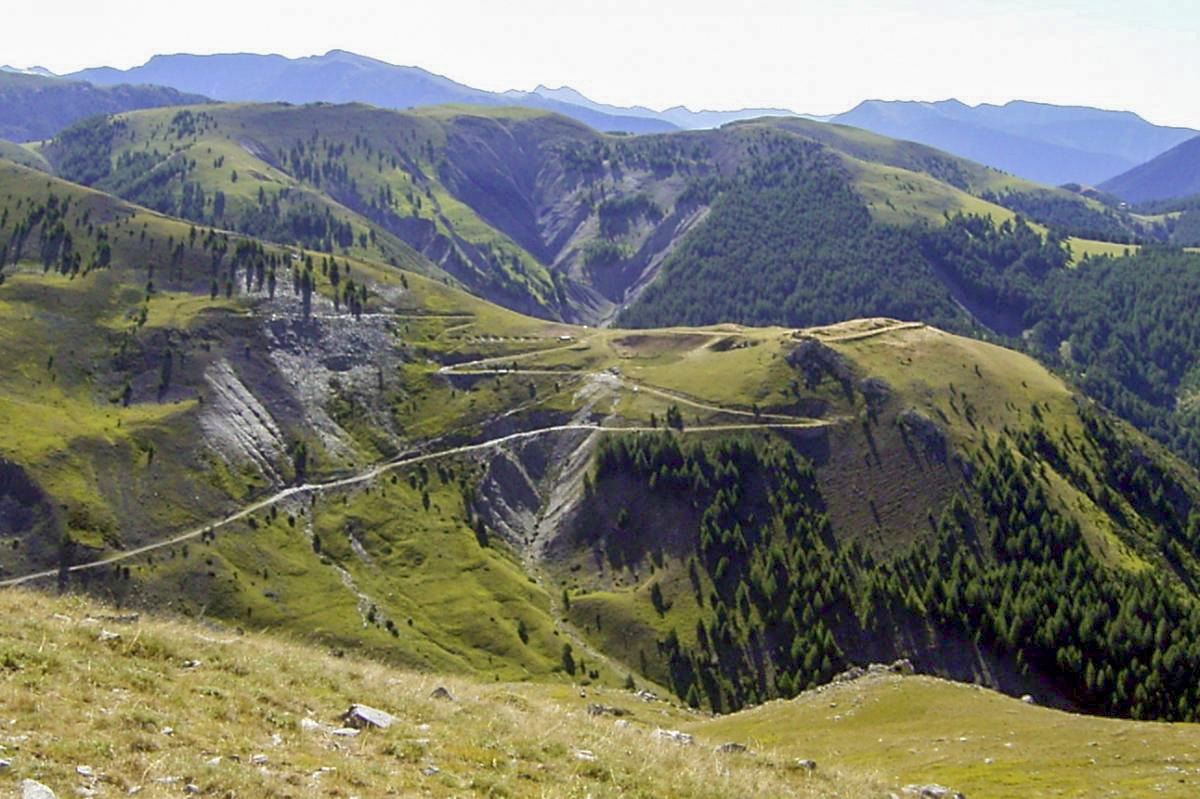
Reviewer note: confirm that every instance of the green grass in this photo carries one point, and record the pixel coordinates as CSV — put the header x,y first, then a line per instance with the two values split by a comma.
x,y
988,746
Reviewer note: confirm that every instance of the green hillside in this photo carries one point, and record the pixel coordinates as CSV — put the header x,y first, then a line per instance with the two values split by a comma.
x,y
207,423
525,208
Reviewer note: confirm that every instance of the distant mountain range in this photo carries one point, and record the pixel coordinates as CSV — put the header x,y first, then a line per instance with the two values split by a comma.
x,y
340,77
34,107
1045,143
1174,174
679,116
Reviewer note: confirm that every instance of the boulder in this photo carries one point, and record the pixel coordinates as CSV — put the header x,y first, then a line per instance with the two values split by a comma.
x,y
806,765
362,716
441,693
1028,699
32,789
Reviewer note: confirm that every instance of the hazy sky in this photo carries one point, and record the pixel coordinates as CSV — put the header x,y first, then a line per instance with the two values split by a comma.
x,y
817,57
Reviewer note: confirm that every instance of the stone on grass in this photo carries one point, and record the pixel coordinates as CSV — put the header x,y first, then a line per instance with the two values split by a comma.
x,y
730,748
605,710
585,755
805,764
1028,699
676,736
345,732
85,771
441,693
32,789
5,765
362,716
932,791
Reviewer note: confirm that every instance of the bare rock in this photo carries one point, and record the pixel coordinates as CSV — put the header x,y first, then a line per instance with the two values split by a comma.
x,y
1028,699
362,716
605,710
32,789
805,765
730,748
441,693
647,696
681,738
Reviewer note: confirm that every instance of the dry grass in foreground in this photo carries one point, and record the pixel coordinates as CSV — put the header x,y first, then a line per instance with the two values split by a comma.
x,y
163,708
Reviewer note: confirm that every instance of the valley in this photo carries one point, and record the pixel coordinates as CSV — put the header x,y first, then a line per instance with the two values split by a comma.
x,y
310,405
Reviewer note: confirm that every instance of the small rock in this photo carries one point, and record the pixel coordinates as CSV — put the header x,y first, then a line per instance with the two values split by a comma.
x,y
167,730
276,739
129,618
1028,699
987,761
61,617
806,765
586,755
902,666
105,635
441,693
215,761
311,725
84,791
932,792
31,789
731,747
345,732
134,790
678,737
621,723
85,771
604,710
429,771
5,765
361,716
191,664
168,780
191,787
258,760
646,696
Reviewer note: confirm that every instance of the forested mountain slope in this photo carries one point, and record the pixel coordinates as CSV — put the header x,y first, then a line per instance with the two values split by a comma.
x,y
527,209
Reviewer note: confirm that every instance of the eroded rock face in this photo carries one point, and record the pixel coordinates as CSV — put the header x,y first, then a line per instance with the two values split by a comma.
x,y
237,425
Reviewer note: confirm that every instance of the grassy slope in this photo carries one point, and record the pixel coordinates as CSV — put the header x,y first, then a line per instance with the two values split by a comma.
x,y
73,700
917,729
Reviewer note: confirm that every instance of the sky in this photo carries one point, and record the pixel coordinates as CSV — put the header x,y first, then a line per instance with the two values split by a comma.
x,y
812,57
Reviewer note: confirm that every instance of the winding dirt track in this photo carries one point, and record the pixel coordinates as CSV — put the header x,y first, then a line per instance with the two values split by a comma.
x,y
479,367
384,468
